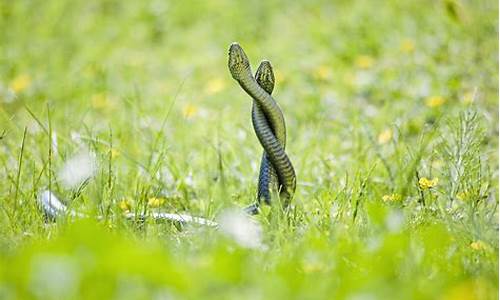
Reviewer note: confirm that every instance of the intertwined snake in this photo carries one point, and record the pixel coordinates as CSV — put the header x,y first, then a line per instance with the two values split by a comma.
x,y
276,170
269,126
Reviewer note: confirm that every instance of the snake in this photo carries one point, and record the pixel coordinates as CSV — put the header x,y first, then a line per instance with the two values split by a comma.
x,y
276,170
268,122
54,208
268,180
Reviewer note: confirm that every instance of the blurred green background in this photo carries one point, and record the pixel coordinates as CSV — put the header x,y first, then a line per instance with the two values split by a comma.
x,y
391,111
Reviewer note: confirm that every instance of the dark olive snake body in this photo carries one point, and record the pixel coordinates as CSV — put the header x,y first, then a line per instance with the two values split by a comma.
x,y
268,179
268,122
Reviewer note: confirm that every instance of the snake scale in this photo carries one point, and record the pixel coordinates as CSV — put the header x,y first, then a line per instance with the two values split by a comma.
x,y
269,126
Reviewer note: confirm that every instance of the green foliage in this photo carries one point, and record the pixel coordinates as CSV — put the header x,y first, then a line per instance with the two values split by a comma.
x,y
391,110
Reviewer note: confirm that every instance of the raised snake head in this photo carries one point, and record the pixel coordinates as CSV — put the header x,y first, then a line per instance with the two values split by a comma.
x,y
265,76
238,63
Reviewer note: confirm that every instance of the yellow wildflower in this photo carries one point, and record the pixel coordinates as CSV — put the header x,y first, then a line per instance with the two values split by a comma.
x,y
391,198
156,202
312,264
100,101
214,86
468,98
462,196
323,72
407,46
114,153
426,183
20,83
189,111
125,205
312,267
479,245
434,101
385,136
364,61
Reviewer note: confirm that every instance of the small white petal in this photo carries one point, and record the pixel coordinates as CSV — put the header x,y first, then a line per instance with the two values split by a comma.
x,y
335,211
243,230
395,221
77,169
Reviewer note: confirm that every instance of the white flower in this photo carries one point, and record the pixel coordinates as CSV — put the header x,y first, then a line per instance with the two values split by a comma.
x,y
395,221
78,169
243,230
241,134
76,137
335,211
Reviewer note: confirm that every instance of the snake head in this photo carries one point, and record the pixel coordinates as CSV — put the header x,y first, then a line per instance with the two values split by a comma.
x,y
265,76
239,66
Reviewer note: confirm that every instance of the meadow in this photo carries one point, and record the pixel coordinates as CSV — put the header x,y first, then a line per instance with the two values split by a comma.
x,y
392,120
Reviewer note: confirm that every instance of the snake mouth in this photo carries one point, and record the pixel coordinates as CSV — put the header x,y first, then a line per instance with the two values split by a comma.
x,y
238,61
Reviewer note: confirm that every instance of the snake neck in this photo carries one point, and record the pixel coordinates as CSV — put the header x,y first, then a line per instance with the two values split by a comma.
x,y
268,105
257,110
275,151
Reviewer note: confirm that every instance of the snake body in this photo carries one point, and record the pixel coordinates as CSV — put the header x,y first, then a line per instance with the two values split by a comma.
x,y
268,121
53,208
268,179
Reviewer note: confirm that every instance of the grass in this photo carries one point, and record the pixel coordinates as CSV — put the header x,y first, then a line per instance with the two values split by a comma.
x,y
391,110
